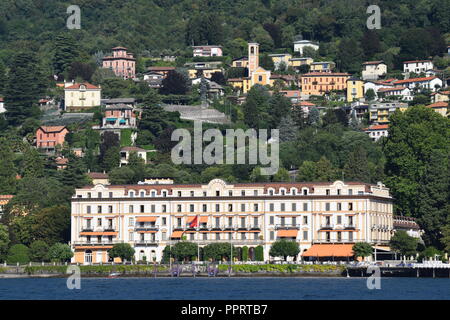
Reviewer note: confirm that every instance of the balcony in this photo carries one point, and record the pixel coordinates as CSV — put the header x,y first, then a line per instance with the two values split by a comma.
x,y
147,228
287,226
350,226
233,241
145,242
95,243
327,226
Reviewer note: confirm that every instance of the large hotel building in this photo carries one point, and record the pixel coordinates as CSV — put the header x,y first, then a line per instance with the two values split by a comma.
x,y
325,219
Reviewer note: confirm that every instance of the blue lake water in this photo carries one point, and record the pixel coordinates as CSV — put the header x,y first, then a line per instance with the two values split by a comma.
x,y
225,289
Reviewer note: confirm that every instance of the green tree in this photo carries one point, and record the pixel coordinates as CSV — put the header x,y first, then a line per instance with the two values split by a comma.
x,y
404,244
244,253
8,171
445,240
256,107
39,251
218,251
3,77
18,253
33,163
362,249
65,53
259,253
174,83
59,252
349,56
52,224
284,248
184,250
23,88
314,117
307,171
370,95
4,241
356,168
123,251
121,175
417,168
282,175
325,170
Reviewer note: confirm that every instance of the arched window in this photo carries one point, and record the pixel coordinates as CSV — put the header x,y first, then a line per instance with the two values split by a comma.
x,y
88,256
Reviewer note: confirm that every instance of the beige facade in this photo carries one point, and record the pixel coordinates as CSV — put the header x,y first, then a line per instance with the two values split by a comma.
x,y
81,96
150,216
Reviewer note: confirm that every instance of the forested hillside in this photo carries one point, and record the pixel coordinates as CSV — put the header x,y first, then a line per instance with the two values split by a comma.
x,y
410,29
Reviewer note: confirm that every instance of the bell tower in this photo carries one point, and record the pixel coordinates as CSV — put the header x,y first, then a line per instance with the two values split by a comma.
x,y
253,57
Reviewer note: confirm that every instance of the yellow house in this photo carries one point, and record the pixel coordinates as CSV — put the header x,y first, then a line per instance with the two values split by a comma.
x,y
440,107
240,63
322,66
195,69
319,83
297,62
280,58
355,89
442,96
79,96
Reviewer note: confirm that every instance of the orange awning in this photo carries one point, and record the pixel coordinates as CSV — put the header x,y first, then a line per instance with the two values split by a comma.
x,y
190,219
329,250
287,233
98,233
177,234
147,231
204,219
146,219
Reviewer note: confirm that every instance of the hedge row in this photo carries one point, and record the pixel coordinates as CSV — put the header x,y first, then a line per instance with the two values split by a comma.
x,y
105,269
286,268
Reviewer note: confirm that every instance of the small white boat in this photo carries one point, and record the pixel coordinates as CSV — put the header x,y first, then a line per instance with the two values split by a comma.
x,y
113,275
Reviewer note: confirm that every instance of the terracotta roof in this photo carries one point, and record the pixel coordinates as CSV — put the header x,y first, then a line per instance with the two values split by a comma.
x,y
415,61
62,161
98,175
329,250
306,104
438,105
160,68
119,48
49,129
4,199
415,80
86,84
327,74
391,89
373,62
377,127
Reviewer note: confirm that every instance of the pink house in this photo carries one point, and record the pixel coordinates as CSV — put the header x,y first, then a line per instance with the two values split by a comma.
x,y
48,137
122,63
119,116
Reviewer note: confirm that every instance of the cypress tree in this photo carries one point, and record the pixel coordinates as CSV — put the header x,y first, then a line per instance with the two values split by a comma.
x,y
23,88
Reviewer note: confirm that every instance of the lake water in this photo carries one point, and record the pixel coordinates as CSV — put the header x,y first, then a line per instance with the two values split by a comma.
x,y
225,289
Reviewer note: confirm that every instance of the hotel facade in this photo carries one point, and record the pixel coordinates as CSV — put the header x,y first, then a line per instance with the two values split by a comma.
x,y
323,218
